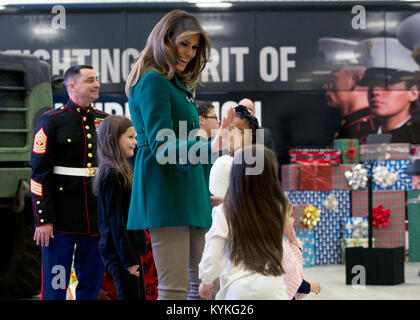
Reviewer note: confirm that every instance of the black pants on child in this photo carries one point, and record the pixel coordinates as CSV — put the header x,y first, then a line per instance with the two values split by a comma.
x,y
129,287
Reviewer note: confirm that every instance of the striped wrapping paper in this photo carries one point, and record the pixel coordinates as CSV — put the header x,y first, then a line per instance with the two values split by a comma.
x,y
394,234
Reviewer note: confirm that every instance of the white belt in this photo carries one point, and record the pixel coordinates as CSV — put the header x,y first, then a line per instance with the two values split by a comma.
x,y
79,172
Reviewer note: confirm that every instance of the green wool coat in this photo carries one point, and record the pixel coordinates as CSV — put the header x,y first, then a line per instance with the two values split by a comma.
x,y
167,194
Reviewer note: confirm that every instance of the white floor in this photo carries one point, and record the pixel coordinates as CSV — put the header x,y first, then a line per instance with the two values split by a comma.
x,y
333,285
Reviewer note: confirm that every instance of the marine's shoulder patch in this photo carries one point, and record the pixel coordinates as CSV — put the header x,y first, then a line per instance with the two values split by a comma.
x,y
40,142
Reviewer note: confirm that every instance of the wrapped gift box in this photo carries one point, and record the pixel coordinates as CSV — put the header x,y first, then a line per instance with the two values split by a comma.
x,y
415,150
315,176
385,151
400,167
413,217
355,227
305,237
394,234
415,182
355,242
314,155
338,180
328,232
350,150
290,176
298,213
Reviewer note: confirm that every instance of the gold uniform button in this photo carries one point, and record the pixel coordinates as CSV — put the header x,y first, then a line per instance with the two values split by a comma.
x,y
365,120
62,108
38,202
87,127
42,220
89,136
68,140
89,165
89,145
90,155
84,118
78,109
39,211
61,189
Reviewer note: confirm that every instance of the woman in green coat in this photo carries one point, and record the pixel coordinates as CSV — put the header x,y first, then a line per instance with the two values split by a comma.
x,y
170,196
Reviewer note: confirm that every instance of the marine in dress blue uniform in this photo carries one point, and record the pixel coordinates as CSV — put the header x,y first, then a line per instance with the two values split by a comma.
x,y
63,164
342,91
385,71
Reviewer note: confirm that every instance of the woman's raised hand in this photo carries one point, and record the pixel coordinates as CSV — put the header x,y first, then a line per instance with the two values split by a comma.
x,y
221,140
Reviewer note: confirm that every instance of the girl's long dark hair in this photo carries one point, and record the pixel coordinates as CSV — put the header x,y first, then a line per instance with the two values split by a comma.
x,y
109,152
243,113
255,207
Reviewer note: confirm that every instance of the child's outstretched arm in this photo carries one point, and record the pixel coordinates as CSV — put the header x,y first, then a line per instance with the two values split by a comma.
x,y
213,260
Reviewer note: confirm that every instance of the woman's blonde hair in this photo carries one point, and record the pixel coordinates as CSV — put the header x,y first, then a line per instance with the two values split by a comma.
x,y
160,52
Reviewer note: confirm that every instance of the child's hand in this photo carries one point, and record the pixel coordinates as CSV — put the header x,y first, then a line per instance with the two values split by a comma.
x,y
315,287
134,270
215,201
204,290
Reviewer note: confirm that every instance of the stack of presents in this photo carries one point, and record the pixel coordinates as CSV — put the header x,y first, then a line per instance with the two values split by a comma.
x,y
328,189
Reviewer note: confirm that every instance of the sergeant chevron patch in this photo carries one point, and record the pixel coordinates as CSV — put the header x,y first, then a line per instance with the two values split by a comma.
x,y
40,142
36,188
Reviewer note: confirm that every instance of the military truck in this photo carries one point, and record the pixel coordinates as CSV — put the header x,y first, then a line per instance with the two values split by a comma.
x,y
25,93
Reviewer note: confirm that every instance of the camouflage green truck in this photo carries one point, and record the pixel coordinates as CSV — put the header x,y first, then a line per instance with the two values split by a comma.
x,y
25,93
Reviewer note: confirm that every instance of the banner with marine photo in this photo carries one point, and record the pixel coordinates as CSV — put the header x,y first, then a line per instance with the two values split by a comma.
x,y
314,71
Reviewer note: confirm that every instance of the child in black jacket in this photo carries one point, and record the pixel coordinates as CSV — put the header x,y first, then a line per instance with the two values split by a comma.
x,y
120,248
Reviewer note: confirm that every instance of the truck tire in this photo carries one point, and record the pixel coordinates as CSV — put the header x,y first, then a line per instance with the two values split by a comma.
x,y
20,272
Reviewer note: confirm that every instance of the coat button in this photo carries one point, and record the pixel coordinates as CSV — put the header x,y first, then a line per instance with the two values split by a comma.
x,y
42,220
39,211
90,155
78,109
89,145
69,140
84,118
38,202
61,189
87,127
89,136
88,164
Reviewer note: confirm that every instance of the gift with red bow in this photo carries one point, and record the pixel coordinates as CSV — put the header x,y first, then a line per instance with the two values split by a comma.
x,y
350,150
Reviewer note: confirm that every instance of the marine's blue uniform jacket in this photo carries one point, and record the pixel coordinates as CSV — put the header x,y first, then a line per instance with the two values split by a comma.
x,y
65,137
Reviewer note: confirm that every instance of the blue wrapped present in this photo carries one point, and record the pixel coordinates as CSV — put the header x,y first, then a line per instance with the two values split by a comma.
x,y
328,232
404,181
355,227
306,239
